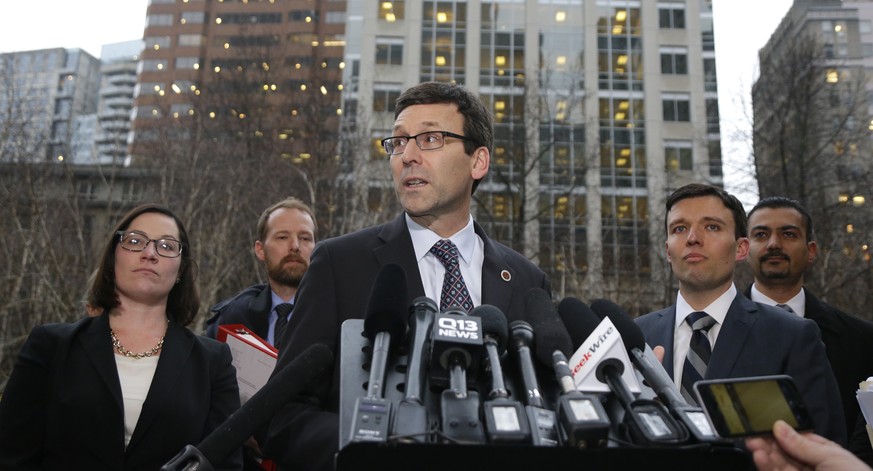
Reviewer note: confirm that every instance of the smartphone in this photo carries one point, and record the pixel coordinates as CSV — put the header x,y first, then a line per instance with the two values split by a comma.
x,y
742,407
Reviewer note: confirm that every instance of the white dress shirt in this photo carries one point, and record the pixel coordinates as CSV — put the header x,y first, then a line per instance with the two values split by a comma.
x,y
797,303
471,249
682,334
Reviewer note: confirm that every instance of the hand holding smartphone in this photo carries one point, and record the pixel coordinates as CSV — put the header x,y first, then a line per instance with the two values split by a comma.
x,y
743,407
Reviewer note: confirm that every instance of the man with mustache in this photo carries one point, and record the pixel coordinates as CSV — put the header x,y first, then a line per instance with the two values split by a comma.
x,y
782,248
713,331
286,237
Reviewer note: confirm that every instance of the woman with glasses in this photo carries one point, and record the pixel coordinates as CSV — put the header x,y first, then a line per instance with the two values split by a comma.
x,y
131,387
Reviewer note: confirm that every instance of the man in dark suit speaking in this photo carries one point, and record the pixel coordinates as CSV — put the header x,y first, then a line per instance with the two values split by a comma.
x,y
782,249
440,148
713,331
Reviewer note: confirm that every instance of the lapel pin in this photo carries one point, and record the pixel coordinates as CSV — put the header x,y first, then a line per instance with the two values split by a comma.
x,y
505,275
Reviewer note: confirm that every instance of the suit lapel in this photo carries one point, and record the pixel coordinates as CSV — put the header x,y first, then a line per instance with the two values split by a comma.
x,y
818,312
738,323
258,315
176,351
398,249
97,344
662,334
497,283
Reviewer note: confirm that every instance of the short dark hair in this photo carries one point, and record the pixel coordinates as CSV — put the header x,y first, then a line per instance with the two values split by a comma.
x,y
696,190
478,122
287,203
184,298
774,202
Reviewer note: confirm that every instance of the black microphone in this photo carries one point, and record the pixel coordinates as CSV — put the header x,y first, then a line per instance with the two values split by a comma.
x,y
505,418
385,319
542,421
692,417
456,345
410,419
259,409
648,422
584,422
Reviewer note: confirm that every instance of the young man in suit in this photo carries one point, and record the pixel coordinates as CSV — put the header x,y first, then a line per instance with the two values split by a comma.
x,y
713,331
782,248
286,237
440,149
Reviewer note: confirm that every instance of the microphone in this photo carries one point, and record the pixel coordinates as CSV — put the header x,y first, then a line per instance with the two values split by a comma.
x,y
505,419
692,417
584,422
259,409
542,421
410,419
647,421
385,319
456,344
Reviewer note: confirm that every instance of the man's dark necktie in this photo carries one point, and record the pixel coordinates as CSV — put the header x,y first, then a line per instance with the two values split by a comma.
x,y
699,352
282,311
454,292
786,307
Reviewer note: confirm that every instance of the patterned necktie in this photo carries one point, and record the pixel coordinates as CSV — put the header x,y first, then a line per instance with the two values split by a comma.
x,y
699,352
282,311
786,307
454,291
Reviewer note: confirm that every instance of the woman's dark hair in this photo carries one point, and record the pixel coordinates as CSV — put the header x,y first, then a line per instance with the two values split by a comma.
x,y
183,300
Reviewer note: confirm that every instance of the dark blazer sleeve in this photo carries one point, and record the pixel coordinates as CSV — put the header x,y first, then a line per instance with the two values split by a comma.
x,y
807,364
23,404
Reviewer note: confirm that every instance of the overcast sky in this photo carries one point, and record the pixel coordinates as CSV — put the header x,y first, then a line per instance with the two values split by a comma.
x,y
741,28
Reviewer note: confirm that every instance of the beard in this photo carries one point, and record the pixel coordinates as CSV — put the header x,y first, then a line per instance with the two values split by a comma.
x,y
775,273
287,275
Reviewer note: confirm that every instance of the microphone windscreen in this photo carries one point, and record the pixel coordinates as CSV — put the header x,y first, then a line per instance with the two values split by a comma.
x,y
386,309
493,324
628,329
578,318
261,407
551,335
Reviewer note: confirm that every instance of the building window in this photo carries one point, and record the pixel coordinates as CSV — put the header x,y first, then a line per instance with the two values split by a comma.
x,y
157,42
391,11
192,17
306,16
676,108
678,156
389,51
186,63
671,16
710,80
159,20
154,65
249,18
190,39
674,61
383,100
335,17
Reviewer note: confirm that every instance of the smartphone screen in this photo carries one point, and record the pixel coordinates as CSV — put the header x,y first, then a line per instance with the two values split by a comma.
x,y
741,407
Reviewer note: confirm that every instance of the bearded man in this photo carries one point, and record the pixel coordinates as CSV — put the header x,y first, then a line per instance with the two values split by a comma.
x,y
286,237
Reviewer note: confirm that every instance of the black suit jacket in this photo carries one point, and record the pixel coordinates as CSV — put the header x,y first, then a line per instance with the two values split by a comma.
x,y
304,435
62,407
758,340
849,345
250,307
